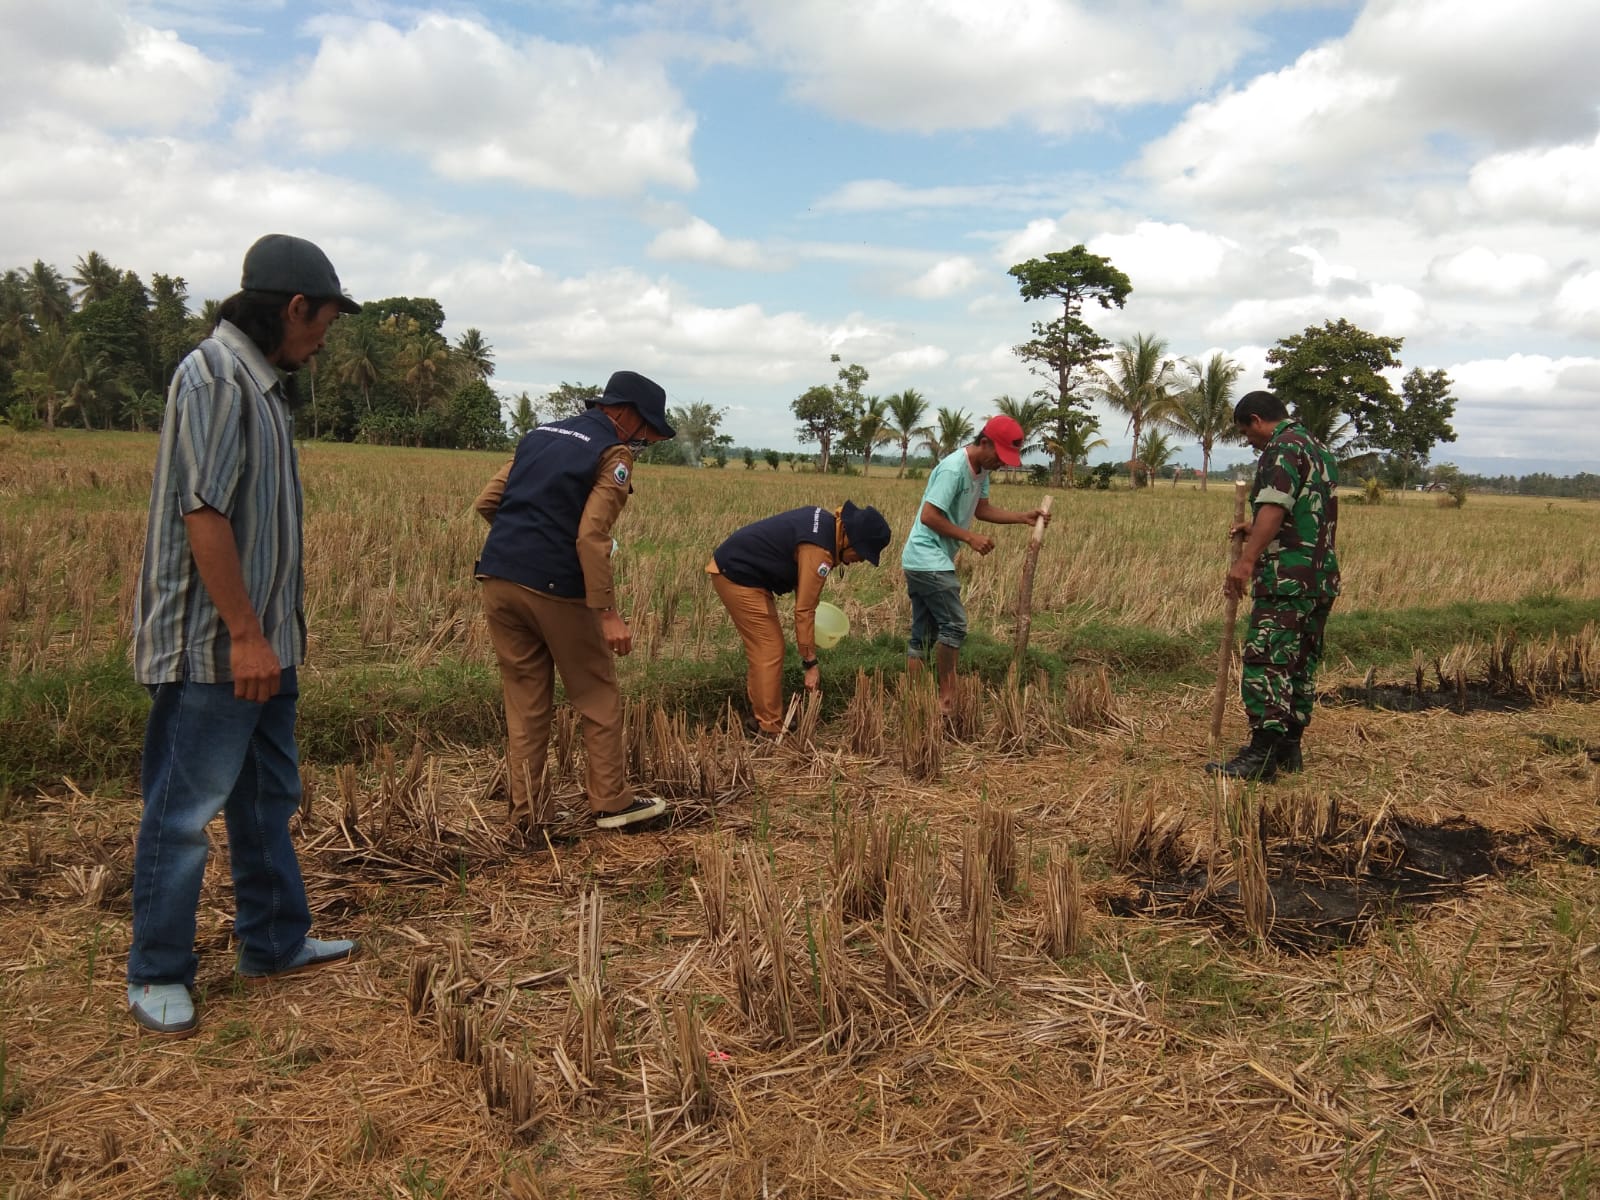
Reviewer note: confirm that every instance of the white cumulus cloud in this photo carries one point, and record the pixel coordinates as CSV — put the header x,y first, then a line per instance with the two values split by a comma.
x,y
697,240
1161,258
90,61
944,278
1480,270
478,106
953,64
1560,183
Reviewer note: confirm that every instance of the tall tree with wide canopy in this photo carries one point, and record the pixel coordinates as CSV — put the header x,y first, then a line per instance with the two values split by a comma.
x,y
1204,409
1062,350
822,417
1422,420
906,410
1330,377
1138,385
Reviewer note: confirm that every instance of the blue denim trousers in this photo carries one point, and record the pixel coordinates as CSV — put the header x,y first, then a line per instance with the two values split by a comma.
x,y
205,752
937,614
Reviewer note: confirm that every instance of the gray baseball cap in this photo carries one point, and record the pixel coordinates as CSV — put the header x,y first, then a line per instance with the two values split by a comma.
x,y
292,266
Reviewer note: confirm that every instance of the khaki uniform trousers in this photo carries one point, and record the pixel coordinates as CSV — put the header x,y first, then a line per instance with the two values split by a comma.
x,y
755,616
535,636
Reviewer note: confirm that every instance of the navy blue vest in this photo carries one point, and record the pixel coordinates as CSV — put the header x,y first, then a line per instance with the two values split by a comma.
x,y
761,555
534,538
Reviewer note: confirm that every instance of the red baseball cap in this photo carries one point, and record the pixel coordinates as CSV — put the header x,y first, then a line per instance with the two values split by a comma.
x,y
1006,435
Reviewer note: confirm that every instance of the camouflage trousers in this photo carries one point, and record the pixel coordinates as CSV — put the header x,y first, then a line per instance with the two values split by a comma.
x,y
1282,648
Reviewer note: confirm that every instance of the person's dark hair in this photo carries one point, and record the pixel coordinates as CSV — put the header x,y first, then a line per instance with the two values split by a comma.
x,y
1259,404
259,316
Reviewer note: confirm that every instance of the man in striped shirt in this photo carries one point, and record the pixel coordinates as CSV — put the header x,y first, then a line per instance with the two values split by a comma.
x,y
219,629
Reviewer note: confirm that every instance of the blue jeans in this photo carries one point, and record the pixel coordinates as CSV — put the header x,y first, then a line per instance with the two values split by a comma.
x,y
936,611
206,752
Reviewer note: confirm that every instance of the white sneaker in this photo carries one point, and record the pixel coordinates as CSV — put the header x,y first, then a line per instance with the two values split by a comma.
x,y
643,808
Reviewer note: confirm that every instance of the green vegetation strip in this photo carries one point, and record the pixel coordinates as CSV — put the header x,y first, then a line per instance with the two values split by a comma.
x,y
87,723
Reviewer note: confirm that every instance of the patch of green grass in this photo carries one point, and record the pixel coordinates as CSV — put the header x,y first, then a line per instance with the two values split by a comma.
x,y
1195,985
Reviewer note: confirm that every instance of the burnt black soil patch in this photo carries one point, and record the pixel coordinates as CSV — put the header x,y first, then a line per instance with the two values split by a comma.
x,y
1329,887
1404,698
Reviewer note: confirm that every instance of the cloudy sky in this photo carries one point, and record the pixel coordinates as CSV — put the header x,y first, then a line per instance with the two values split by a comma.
x,y
722,193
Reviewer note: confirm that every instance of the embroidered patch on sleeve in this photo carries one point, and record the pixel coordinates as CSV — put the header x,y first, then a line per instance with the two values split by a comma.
x,y
822,570
620,474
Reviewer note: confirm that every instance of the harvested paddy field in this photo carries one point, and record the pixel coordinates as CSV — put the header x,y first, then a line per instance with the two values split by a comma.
x,y
1031,952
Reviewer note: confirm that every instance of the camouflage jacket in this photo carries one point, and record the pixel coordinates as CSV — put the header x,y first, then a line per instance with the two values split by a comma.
x,y
1296,473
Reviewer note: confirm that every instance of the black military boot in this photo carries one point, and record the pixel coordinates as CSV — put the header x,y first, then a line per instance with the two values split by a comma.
x,y
1258,760
1289,759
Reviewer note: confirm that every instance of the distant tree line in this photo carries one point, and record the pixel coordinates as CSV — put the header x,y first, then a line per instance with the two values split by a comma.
x,y
1329,376
98,347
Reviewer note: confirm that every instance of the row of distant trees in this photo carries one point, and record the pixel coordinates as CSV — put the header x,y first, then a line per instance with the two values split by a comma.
x,y
98,347
1330,376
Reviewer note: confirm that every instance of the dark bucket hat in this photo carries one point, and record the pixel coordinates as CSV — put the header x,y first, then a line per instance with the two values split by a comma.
x,y
867,530
292,266
646,395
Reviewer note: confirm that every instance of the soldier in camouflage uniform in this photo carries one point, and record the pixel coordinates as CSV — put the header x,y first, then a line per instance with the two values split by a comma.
x,y
1289,555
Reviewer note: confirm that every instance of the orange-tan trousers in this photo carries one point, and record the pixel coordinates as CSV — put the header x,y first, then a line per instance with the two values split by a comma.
x,y
755,616
534,637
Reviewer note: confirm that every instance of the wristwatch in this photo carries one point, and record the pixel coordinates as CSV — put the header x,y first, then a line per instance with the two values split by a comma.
x,y
807,663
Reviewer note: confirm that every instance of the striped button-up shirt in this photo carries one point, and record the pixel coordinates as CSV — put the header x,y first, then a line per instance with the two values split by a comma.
x,y
227,443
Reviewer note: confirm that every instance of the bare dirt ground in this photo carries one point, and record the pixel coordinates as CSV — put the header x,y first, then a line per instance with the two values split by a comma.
x,y
825,978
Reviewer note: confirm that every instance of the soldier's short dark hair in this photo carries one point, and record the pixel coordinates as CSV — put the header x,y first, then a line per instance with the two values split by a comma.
x,y
1259,404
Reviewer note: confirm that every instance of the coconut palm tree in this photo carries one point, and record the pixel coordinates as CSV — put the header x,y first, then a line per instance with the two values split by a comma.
x,y
524,417
86,385
475,354
871,429
16,319
49,301
423,357
954,429
1075,446
1154,452
361,362
1137,385
96,278
1204,411
906,410
696,426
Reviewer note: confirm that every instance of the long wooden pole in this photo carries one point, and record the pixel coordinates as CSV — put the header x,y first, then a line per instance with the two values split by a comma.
x,y
1230,618
1030,560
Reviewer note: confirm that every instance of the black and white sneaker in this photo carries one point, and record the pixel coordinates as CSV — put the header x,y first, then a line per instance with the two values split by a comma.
x,y
643,808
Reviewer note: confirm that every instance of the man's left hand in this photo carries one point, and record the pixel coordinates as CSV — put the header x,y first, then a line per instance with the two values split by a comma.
x,y
616,632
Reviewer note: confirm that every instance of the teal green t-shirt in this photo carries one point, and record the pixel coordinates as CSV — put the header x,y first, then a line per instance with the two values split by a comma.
x,y
954,488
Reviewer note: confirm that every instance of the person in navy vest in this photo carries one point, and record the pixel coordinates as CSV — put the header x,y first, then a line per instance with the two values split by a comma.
x,y
794,551
549,599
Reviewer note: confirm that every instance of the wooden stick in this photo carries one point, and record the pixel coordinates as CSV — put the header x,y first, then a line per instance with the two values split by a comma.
x,y
1030,560
1230,618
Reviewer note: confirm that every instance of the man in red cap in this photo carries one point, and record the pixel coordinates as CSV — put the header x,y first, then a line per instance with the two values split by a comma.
x,y
957,492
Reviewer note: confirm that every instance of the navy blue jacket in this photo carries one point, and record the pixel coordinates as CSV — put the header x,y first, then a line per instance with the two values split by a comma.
x,y
534,538
762,554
